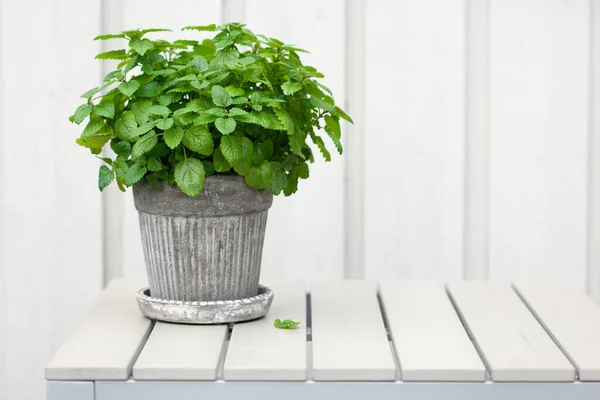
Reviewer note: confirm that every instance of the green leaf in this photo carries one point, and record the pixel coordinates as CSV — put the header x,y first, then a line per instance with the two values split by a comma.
x,y
110,36
219,162
259,177
144,128
279,182
189,176
113,55
199,63
217,111
105,177
291,87
210,28
247,61
334,125
344,115
92,128
129,88
231,147
322,104
297,141
141,110
82,112
121,148
134,174
199,85
335,139
234,91
319,142
160,110
199,139
285,324
105,109
164,124
173,137
236,112
141,46
204,119
243,166
94,143
118,74
153,164
144,144
126,126
225,125
286,120
220,96
301,170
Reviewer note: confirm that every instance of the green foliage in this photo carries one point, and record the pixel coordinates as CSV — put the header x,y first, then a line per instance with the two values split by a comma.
x,y
285,324
236,103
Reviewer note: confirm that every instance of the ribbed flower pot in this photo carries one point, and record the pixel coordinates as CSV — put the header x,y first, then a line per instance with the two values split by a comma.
x,y
207,248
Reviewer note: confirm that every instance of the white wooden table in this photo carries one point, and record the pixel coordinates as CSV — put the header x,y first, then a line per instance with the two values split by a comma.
x,y
358,340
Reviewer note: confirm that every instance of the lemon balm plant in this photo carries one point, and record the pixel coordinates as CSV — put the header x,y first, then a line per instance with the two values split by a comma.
x,y
206,132
238,103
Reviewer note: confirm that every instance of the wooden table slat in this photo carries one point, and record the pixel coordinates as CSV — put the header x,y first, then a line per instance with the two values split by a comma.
x,y
514,345
257,351
105,346
572,319
430,341
181,352
348,334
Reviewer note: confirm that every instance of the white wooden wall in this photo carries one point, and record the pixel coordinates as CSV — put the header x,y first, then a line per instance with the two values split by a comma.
x,y
476,152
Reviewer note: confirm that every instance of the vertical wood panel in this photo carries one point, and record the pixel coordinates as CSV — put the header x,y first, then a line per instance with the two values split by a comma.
x,y
539,116
52,206
593,267
162,14
305,232
414,138
477,140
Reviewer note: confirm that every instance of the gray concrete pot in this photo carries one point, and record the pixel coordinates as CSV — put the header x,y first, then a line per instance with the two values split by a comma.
x,y
206,248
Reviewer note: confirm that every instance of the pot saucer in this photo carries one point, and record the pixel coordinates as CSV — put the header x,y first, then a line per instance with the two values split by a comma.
x,y
205,312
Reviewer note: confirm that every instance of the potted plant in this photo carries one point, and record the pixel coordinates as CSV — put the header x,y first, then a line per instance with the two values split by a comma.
x,y
206,132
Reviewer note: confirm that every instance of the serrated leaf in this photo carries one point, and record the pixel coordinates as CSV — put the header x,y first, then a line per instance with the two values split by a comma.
x,y
219,161
95,90
94,143
198,139
173,137
144,145
92,128
82,112
290,88
243,166
141,46
122,148
301,170
153,164
209,28
286,120
144,128
234,91
220,96
199,63
129,88
199,85
204,119
160,110
148,90
126,126
189,176
110,36
334,125
134,174
259,177
247,61
164,124
200,104
231,147
217,111
344,115
236,112
297,141
225,125
118,74
105,109
105,177
285,324
141,110
120,54
319,142
279,182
